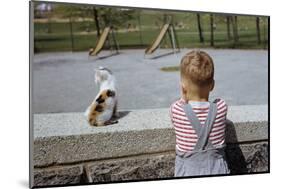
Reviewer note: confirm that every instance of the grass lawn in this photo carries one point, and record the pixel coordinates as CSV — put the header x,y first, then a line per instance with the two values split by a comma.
x,y
62,42
170,69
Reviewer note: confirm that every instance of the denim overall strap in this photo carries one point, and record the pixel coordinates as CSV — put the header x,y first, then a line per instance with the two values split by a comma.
x,y
202,131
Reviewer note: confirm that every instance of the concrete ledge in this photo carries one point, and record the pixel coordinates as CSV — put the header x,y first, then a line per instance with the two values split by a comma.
x,y
148,166
66,138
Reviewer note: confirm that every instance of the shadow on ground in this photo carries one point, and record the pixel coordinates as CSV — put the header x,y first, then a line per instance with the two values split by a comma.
x,y
121,114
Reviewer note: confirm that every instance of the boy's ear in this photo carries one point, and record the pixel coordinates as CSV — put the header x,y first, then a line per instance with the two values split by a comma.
x,y
212,85
183,89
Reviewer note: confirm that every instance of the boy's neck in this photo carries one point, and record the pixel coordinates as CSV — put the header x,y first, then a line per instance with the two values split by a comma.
x,y
196,97
193,92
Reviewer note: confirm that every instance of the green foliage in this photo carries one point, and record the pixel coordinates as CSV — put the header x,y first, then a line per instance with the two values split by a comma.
x,y
54,34
116,16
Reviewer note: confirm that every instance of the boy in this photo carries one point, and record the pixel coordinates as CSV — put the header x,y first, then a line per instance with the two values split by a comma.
x,y
199,124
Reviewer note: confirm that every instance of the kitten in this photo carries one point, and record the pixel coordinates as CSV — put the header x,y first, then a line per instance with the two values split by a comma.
x,y
104,106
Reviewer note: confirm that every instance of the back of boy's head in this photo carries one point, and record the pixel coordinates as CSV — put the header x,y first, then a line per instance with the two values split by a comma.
x,y
197,67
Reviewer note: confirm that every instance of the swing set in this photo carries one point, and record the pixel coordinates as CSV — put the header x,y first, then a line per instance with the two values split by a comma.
x,y
108,39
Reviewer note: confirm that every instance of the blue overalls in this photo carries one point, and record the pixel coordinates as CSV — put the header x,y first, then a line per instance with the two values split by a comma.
x,y
205,159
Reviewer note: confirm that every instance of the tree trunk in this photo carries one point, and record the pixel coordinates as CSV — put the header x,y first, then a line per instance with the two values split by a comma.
x,y
96,21
258,30
71,32
200,29
106,20
228,27
49,28
212,30
235,29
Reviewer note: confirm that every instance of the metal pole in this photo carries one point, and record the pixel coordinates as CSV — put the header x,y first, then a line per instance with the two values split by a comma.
x,y
176,38
114,40
172,36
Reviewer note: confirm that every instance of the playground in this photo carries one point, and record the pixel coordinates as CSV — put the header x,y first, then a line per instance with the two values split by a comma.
x,y
64,82
143,48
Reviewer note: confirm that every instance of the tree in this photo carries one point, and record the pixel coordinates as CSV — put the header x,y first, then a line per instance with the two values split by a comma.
x,y
116,16
201,38
70,12
228,27
95,12
235,29
212,30
258,30
100,15
44,10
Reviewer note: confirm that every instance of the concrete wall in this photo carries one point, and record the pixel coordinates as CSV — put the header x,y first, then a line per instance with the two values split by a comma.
x,y
140,146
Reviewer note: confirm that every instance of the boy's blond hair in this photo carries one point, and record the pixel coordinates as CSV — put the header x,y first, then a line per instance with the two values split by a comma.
x,y
197,67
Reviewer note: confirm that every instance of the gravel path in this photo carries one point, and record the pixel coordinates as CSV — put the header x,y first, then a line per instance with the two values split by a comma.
x,y
64,82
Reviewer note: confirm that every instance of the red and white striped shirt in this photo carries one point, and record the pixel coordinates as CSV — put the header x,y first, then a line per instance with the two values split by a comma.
x,y
186,137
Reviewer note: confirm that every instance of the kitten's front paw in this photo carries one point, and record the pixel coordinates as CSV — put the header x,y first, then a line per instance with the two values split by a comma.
x,y
98,124
111,122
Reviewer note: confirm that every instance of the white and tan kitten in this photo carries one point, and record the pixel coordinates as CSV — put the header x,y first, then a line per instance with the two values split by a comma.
x,y
104,106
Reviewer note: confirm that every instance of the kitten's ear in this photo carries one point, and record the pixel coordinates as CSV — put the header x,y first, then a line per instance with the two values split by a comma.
x,y
103,75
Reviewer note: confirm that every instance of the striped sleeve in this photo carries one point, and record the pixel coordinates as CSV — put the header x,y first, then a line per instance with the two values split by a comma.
x,y
170,112
217,134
